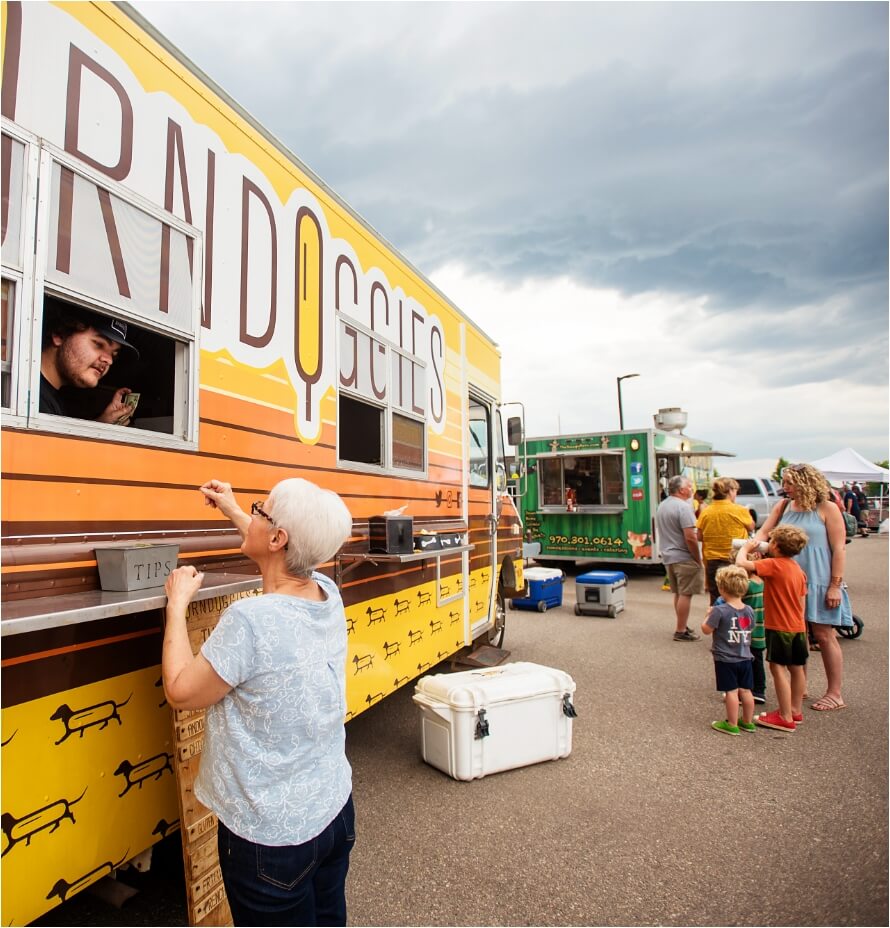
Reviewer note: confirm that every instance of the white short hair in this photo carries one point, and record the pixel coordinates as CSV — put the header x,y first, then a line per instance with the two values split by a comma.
x,y
317,523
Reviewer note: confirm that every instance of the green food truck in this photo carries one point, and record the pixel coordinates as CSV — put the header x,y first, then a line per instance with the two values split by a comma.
x,y
593,496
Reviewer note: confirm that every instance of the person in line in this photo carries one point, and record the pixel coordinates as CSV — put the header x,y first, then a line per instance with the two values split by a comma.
x,y
272,676
784,596
678,546
823,561
78,350
718,524
754,599
854,508
731,623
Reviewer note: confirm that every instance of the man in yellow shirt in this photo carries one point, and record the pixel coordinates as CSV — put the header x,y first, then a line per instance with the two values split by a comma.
x,y
718,524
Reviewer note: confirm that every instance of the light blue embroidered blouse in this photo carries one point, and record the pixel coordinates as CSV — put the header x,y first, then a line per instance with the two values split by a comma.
x,y
274,767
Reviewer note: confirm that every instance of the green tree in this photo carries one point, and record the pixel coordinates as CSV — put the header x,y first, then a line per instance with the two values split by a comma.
x,y
781,464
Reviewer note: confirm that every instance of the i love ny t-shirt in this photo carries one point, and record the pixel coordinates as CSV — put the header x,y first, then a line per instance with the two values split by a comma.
x,y
732,633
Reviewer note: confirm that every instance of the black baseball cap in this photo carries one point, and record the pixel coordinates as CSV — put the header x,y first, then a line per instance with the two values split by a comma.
x,y
115,330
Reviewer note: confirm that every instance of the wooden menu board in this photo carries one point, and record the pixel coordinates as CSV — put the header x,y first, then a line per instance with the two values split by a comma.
x,y
206,896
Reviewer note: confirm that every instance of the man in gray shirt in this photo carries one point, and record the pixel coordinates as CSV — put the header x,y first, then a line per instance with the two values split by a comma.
x,y
677,538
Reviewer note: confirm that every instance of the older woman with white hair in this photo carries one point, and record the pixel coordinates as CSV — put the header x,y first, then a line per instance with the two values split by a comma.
x,y
272,676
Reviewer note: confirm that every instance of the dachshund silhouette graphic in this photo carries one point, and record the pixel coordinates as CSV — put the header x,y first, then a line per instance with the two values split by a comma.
x,y
363,662
435,626
350,625
391,649
414,637
402,606
137,774
423,599
164,828
63,888
49,816
79,720
454,616
375,615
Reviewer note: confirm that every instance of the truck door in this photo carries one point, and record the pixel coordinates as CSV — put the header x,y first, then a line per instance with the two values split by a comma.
x,y
483,470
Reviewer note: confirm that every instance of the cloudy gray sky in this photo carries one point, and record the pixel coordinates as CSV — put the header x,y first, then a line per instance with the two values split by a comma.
x,y
695,192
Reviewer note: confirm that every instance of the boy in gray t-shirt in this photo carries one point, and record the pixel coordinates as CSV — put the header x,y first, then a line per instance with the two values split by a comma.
x,y
732,623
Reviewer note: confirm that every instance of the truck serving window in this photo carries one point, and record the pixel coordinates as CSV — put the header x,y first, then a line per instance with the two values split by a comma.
x,y
597,480
147,370
381,421
102,260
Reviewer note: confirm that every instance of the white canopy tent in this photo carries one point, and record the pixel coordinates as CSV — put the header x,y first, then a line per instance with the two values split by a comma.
x,y
850,465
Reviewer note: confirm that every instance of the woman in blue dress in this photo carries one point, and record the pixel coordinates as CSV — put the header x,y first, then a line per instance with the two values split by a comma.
x,y
809,506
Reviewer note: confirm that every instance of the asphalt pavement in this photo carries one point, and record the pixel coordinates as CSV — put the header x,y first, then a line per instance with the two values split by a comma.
x,y
654,819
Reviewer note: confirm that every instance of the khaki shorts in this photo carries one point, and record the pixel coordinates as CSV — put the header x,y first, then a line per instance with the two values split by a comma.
x,y
686,578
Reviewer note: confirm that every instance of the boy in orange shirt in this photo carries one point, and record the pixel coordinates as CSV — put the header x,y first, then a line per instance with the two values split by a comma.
x,y
784,596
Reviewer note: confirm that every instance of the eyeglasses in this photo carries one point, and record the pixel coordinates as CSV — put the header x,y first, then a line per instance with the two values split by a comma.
x,y
256,509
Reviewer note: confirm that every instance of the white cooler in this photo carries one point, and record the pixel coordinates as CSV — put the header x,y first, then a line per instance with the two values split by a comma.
x,y
482,721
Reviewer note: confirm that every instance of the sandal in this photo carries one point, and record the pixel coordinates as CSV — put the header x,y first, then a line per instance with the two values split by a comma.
x,y
827,704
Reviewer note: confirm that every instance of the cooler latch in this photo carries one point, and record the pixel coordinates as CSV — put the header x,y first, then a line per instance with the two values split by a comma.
x,y
481,725
567,708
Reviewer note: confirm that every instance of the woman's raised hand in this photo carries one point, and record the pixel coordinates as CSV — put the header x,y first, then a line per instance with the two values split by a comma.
x,y
182,584
219,495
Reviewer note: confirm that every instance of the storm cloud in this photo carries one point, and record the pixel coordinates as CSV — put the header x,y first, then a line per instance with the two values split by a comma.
x,y
732,155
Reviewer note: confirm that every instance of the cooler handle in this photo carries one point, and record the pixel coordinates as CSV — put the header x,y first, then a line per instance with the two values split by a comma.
x,y
481,725
567,708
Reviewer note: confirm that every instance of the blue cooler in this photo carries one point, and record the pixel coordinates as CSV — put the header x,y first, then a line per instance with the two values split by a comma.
x,y
544,589
600,592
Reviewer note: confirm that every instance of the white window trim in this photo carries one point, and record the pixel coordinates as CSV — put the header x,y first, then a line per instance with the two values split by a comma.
x,y
186,396
389,409
601,509
15,415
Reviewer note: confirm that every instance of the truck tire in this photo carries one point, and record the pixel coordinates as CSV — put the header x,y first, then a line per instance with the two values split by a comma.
x,y
496,634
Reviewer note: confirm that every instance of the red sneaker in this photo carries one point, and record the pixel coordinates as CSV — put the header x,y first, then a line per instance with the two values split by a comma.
x,y
797,718
774,720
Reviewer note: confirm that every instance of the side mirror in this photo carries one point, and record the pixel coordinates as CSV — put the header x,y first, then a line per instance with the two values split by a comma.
x,y
514,431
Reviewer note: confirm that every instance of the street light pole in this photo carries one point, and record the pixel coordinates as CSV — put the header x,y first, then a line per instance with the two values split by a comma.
x,y
620,410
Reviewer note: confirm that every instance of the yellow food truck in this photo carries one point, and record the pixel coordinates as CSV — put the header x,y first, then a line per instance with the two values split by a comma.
x,y
275,334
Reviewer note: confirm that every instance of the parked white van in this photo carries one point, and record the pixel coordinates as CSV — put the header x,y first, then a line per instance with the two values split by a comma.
x,y
758,495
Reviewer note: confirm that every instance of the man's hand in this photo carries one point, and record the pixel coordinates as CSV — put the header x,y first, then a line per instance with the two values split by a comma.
x,y
118,412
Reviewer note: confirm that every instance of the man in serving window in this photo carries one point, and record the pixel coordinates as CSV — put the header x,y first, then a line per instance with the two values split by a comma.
x,y
79,348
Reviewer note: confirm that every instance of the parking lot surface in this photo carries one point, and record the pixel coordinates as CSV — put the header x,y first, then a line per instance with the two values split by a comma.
x,y
654,819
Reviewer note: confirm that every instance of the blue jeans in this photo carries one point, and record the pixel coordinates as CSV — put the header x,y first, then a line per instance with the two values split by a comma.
x,y
302,884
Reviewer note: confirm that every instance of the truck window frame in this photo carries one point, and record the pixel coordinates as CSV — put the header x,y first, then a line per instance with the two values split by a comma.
x,y
388,410
185,337
561,457
18,273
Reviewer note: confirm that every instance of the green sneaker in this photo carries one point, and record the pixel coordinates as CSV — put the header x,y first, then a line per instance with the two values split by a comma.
x,y
747,726
726,728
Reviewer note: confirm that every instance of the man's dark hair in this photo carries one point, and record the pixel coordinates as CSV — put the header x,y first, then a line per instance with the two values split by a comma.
x,y
63,320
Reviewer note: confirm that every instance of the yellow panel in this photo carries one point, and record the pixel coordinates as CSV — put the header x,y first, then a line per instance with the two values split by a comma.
x,y
87,784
